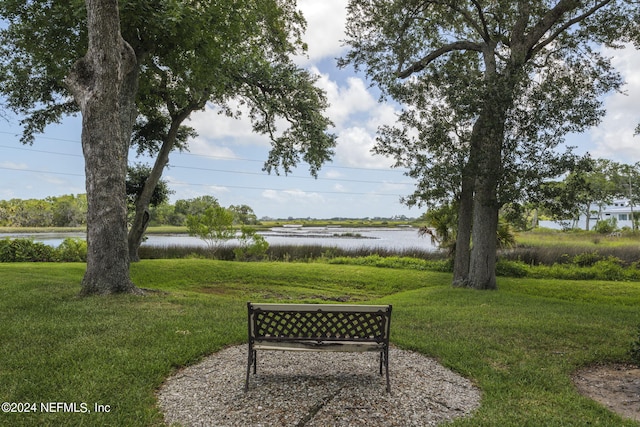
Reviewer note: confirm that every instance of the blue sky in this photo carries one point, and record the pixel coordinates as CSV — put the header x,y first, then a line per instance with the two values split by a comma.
x,y
226,160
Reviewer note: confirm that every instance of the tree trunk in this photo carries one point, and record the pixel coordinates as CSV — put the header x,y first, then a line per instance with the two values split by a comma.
x,y
463,234
141,219
490,131
482,269
587,216
99,82
461,264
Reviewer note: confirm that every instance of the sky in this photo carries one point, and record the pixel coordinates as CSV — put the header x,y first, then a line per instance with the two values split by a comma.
x,y
226,159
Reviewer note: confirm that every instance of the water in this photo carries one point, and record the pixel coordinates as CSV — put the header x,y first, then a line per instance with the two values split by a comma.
x,y
341,237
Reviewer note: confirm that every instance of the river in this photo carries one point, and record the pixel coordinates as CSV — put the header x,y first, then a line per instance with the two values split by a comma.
x,y
400,238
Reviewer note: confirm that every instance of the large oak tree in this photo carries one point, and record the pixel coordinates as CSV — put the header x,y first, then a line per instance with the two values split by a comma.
x,y
490,88
175,57
101,83
237,51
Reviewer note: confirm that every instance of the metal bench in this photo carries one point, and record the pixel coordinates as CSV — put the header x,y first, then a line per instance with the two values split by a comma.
x,y
319,327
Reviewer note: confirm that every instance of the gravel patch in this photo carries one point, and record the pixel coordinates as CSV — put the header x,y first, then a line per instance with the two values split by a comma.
x,y
316,389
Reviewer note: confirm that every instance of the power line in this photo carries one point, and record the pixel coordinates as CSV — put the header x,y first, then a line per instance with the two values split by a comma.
x,y
224,186
288,190
183,153
44,172
260,174
44,137
289,176
226,170
41,151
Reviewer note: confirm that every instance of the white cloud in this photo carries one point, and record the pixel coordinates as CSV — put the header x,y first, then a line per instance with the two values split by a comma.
x,y
13,165
211,125
294,196
203,147
354,149
383,114
339,188
217,189
204,188
614,137
326,21
346,101
333,174
398,188
6,194
357,116
52,179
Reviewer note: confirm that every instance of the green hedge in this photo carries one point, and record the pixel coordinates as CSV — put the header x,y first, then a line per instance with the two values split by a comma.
x,y
26,250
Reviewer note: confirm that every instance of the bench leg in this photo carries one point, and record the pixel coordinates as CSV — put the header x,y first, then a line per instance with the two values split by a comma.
x,y
384,360
251,359
385,355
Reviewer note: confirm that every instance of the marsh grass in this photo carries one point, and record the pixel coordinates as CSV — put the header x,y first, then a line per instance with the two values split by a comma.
x,y
562,254
284,252
519,344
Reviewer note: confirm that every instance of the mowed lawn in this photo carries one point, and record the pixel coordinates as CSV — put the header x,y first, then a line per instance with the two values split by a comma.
x,y
519,345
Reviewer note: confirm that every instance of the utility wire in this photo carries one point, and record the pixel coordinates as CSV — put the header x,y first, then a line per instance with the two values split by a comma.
x,y
185,153
211,185
226,170
30,149
37,171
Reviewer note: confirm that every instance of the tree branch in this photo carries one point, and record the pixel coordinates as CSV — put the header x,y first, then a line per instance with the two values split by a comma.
x,y
485,30
422,64
533,48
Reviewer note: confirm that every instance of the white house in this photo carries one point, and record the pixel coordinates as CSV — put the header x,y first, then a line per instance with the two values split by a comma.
x,y
619,209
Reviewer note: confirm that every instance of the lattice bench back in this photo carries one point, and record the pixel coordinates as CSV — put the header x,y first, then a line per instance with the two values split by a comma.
x,y
319,327
318,322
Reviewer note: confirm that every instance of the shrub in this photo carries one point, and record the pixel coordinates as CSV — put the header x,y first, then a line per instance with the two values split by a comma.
x,y
214,226
72,250
586,259
511,268
606,226
26,250
609,269
252,247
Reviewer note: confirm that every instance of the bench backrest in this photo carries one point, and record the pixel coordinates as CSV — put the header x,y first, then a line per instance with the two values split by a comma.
x,y
317,322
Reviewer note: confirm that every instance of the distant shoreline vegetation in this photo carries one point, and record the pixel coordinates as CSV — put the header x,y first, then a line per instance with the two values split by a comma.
x,y
576,258
331,225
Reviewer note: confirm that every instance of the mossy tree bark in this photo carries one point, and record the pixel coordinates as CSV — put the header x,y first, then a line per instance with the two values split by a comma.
x,y
101,84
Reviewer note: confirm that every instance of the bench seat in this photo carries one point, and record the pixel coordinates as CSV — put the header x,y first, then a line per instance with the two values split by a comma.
x,y
347,346
318,327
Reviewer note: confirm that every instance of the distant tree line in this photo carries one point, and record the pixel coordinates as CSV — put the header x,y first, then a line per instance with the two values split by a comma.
x,y
71,211
176,214
62,211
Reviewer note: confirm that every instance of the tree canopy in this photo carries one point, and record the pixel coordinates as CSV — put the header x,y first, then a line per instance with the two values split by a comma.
x,y
489,89
187,54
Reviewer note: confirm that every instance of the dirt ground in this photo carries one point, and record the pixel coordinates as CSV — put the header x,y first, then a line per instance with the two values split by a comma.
x,y
615,386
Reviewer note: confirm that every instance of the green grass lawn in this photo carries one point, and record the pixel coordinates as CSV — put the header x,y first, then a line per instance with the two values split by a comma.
x,y
519,344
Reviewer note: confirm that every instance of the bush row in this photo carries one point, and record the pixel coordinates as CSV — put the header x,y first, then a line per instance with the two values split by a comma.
x,y
581,255
26,250
610,268
583,266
